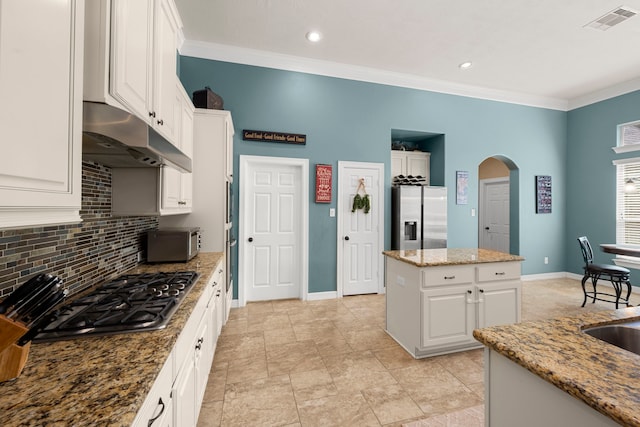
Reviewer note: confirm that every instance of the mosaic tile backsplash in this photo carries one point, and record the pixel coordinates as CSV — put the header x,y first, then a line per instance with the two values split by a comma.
x,y
83,255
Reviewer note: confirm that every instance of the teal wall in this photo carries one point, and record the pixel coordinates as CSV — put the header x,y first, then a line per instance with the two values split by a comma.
x,y
591,205
351,120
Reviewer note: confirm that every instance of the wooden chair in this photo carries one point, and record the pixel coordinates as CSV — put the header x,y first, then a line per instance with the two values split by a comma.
x,y
618,276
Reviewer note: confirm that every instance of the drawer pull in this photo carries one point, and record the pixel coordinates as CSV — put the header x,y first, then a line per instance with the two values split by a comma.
x,y
500,273
449,277
152,420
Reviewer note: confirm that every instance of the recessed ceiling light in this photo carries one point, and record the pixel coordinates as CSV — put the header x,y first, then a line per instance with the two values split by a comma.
x,y
465,65
313,36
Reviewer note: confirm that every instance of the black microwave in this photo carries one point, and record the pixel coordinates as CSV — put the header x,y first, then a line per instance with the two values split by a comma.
x,y
173,244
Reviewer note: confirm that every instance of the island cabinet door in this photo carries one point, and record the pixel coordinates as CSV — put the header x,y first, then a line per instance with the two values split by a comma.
x,y
499,303
448,316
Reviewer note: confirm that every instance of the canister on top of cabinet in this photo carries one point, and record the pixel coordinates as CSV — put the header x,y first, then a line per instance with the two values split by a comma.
x,y
206,98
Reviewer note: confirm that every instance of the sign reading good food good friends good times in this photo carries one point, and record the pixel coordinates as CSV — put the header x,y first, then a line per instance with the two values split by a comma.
x,y
268,136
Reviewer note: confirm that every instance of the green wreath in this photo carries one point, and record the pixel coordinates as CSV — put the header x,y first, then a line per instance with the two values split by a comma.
x,y
361,202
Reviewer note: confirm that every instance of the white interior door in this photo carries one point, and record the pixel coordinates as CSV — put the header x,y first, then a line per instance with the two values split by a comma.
x,y
273,242
494,221
360,234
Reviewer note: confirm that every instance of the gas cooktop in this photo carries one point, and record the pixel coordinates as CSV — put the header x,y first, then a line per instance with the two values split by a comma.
x,y
129,303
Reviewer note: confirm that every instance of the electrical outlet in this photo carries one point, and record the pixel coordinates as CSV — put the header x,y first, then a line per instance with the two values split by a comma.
x,y
139,256
546,260
473,211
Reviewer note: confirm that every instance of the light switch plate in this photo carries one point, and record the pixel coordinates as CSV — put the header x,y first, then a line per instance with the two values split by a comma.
x,y
332,212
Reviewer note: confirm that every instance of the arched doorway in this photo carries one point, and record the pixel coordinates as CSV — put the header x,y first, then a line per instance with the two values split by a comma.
x,y
498,216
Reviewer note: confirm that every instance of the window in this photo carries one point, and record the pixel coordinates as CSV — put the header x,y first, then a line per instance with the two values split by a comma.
x,y
628,201
628,137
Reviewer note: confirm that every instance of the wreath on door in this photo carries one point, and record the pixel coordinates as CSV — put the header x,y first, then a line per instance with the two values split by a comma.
x,y
361,201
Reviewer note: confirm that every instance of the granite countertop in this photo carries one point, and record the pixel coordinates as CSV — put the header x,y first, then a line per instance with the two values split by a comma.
x,y
450,256
602,375
98,381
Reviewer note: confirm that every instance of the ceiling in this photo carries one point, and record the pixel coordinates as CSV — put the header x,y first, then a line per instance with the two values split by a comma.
x,y
537,53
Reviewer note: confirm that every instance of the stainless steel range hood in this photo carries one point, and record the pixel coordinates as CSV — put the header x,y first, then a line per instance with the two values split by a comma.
x,y
117,138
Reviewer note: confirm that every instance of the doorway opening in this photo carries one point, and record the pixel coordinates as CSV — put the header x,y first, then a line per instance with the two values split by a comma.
x,y
498,214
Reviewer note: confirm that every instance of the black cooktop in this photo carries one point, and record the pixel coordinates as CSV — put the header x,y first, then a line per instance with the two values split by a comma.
x,y
129,303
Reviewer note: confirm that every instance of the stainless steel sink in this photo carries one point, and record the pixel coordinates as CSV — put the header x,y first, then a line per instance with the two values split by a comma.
x,y
623,335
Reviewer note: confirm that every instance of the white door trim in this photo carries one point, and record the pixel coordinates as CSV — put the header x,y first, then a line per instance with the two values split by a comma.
x,y
483,201
303,164
378,204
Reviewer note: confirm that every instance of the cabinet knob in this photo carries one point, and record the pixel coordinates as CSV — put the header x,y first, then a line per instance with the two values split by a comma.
x,y
469,291
152,113
160,122
486,228
250,239
182,203
481,290
346,237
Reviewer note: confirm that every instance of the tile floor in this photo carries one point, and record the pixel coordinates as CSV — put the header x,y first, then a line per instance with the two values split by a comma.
x,y
330,363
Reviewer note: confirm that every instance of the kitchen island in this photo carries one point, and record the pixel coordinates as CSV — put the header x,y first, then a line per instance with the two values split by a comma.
x,y
100,381
435,298
551,373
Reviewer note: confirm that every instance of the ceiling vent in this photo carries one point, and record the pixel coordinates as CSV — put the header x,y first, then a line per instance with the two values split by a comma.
x,y
612,18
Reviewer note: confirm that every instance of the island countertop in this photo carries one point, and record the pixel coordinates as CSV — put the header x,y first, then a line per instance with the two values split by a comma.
x,y
96,381
603,376
450,256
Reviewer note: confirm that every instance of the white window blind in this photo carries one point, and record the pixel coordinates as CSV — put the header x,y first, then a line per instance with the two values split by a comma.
x,y
628,203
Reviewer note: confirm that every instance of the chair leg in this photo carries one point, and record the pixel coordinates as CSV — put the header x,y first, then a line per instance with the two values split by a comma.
x,y
617,286
628,283
584,290
594,282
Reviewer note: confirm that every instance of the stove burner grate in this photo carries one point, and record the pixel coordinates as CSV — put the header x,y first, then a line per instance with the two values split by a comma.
x,y
129,303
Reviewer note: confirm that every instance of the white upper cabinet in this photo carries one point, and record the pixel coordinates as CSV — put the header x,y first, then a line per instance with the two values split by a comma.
x,y
415,163
131,59
40,59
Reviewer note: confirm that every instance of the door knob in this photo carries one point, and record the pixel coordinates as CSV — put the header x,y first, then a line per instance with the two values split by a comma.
x,y
346,237
250,239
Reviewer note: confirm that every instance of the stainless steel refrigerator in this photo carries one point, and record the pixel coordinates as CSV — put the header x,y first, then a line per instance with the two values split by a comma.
x,y
418,217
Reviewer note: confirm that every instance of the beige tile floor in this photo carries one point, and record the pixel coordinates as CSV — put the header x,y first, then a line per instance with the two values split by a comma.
x,y
330,363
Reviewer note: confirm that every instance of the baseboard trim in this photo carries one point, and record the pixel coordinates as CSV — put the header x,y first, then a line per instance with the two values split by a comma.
x,y
548,276
317,296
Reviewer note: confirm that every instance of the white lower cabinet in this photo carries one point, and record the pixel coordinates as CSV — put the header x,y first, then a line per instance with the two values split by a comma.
x,y
434,310
192,380
447,317
157,410
177,394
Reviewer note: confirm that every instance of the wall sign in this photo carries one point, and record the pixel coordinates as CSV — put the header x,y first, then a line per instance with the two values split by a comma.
x,y
268,136
323,183
543,194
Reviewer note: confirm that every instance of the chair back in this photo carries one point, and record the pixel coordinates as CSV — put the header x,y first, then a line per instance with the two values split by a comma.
x,y
587,252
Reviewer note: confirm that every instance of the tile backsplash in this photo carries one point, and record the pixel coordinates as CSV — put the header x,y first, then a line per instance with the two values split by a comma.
x,y
99,248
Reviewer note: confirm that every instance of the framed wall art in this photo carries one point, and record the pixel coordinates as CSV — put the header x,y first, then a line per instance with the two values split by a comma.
x,y
462,187
543,194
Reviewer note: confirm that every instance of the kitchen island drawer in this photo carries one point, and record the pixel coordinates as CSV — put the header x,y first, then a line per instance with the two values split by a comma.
x,y
498,271
448,275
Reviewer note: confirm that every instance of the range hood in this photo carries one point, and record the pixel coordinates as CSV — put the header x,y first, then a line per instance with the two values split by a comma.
x,y
116,138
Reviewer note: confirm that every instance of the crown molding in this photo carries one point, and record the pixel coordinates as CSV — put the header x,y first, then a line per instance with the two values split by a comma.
x,y
259,58
279,61
604,94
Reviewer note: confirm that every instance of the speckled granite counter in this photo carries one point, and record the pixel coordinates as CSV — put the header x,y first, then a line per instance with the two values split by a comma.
x,y
100,381
603,376
450,256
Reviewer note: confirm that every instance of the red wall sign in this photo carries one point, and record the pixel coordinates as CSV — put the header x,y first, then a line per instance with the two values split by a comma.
x,y
323,183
